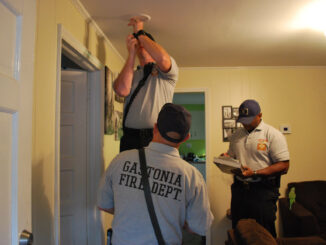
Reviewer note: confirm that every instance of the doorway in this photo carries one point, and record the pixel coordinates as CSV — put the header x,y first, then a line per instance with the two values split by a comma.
x,y
73,154
79,143
194,149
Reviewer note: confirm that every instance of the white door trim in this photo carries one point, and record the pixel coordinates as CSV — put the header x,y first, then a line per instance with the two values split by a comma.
x,y
207,120
73,49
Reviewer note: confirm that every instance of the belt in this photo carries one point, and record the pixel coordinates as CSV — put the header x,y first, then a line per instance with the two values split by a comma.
x,y
249,179
273,181
137,132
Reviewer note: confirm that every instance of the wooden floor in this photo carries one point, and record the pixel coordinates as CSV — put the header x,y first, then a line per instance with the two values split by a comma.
x,y
192,239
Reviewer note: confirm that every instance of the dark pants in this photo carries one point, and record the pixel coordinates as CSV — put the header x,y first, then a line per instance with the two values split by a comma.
x,y
135,138
255,200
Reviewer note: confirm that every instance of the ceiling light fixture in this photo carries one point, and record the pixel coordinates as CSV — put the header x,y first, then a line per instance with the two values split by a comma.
x,y
312,16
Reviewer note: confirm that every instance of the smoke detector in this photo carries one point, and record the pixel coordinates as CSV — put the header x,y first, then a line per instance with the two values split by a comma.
x,y
142,17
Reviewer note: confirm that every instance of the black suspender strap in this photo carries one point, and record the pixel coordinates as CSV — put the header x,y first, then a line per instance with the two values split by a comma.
x,y
148,197
147,70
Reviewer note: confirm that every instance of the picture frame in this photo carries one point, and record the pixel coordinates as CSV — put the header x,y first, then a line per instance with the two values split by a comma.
x,y
235,112
229,121
108,102
118,116
227,132
227,112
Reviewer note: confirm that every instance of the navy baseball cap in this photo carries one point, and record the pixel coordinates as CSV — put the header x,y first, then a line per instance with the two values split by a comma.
x,y
174,118
248,110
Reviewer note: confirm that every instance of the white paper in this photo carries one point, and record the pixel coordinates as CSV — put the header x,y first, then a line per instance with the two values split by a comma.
x,y
227,164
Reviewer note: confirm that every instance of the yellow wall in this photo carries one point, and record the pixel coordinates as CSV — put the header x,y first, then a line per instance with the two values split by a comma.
x,y
287,95
49,14
295,96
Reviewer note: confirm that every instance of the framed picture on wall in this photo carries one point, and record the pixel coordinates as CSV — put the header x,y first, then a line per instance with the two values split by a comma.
x,y
227,132
227,112
109,102
235,112
118,125
229,121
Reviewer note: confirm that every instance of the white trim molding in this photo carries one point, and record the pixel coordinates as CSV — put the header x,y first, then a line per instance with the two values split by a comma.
x,y
68,45
207,120
82,10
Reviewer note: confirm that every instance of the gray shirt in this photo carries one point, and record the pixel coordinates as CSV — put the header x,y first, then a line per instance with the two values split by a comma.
x,y
178,191
259,149
157,91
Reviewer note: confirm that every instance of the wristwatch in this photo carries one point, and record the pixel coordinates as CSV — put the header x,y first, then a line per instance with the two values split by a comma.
x,y
139,33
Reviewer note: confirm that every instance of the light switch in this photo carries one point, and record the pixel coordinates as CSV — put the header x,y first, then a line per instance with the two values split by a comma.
x,y
285,129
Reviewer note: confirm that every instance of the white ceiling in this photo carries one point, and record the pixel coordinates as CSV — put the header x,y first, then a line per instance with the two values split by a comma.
x,y
218,33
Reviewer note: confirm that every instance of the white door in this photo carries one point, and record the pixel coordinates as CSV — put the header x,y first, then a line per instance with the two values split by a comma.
x,y
73,157
197,131
17,41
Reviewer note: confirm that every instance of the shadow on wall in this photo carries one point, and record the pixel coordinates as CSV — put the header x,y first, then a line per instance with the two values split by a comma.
x,y
41,211
87,27
101,49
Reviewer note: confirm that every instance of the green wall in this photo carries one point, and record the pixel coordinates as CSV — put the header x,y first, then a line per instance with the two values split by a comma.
x,y
197,146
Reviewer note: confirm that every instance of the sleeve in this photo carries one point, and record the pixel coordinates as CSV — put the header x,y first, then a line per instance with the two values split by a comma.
x,y
105,192
231,151
173,73
198,213
278,150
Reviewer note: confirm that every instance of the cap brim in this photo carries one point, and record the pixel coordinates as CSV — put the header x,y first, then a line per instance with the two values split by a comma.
x,y
245,120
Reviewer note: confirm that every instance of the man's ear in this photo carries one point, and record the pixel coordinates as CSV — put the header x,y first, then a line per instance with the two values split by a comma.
x,y
186,138
155,127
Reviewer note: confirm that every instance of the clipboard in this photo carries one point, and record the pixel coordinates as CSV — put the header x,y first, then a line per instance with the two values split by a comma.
x,y
228,165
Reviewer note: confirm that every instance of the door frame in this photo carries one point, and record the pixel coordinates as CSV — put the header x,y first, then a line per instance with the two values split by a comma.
x,y
207,120
77,52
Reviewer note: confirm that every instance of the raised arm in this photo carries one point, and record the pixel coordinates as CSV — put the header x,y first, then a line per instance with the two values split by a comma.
x,y
156,51
122,84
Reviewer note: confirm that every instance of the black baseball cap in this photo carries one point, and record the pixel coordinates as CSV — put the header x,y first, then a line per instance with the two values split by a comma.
x,y
248,110
174,118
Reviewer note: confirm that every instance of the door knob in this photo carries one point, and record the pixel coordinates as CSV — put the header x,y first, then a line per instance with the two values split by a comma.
x,y
26,238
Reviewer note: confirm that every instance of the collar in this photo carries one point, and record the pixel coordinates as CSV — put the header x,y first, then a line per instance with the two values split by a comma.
x,y
154,146
260,126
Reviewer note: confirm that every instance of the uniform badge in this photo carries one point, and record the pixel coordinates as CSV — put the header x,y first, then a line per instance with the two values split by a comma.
x,y
262,146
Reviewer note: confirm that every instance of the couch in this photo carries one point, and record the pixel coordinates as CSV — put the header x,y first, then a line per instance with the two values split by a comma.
x,y
307,217
249,232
